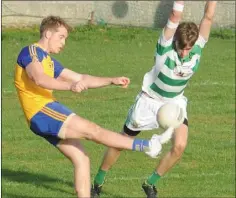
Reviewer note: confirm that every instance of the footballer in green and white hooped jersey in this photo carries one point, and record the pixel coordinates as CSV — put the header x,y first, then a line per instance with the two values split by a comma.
x,y
177,58
165,82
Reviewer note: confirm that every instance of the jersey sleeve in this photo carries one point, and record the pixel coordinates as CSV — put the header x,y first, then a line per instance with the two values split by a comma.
x,y
163,45
28,54
57,68
201,41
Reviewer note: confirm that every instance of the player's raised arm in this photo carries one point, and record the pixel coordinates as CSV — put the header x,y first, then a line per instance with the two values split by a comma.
x,y
207,20
174,19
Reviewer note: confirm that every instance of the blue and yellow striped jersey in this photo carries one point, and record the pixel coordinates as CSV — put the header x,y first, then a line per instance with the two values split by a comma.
x,y
33,97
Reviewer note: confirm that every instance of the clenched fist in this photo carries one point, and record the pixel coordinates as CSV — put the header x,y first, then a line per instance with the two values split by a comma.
x,y
123,81
78,86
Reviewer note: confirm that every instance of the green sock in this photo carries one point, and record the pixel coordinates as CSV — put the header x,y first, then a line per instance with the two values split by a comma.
x,y
100,177
153,178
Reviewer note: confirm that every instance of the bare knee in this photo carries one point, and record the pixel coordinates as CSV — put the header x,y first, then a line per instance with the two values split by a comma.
x,y
178,150
97,134
73,150
94,134
77,156
79,160
78,127
85,159
180,141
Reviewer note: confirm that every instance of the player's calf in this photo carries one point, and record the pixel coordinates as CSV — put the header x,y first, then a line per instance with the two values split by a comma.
x,y
178,150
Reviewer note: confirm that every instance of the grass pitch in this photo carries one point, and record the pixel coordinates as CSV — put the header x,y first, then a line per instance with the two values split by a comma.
x,y
33,168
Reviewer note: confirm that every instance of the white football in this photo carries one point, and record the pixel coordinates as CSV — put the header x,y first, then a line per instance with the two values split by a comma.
x,y
170,115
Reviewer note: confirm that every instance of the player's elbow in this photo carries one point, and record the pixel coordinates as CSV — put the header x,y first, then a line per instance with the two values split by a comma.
x,y
209,17
38,80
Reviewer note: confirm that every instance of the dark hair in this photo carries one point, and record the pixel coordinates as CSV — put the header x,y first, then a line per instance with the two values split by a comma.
x,y
186,34
53,22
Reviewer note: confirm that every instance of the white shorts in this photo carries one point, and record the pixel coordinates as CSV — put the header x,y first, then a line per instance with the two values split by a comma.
x,y
142,114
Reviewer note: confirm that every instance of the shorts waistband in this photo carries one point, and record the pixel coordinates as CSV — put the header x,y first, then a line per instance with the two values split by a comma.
x,y
146,94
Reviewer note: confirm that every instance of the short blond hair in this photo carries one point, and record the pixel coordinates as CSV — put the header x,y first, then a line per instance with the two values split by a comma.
x,y
53,22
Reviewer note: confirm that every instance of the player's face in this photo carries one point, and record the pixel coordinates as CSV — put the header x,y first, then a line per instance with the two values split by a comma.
x,y
57,40
184,51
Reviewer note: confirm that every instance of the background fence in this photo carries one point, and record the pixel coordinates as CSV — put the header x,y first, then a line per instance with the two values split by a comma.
x,y
132,13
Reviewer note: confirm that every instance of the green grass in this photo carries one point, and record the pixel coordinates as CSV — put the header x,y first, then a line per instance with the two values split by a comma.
x,y
33,168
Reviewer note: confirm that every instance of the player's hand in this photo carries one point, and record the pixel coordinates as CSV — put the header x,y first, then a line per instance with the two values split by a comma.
x,y
78,86
123,81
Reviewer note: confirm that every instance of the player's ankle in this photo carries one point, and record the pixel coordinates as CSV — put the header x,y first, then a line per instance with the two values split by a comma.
x,y
152,179
140,145
100,177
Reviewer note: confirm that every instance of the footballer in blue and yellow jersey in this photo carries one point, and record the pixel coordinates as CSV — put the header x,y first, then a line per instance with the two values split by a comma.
x,y
44,115
33,97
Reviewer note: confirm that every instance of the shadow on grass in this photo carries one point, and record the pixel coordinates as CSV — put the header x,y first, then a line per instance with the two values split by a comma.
x,y
38,180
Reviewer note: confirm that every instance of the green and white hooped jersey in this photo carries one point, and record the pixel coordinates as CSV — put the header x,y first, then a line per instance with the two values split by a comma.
x,y
170,74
